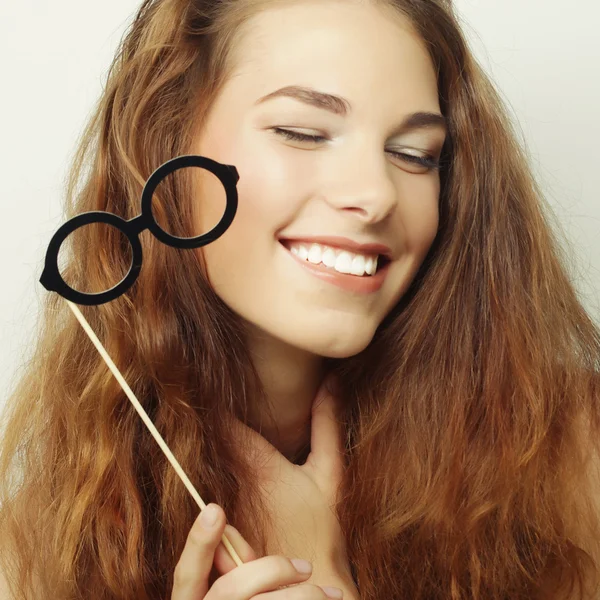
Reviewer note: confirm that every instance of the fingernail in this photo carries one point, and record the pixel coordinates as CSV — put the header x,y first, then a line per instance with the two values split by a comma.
x,y
332,592
209,516
301,565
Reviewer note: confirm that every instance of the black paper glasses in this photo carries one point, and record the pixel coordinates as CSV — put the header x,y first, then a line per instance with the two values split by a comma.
x,y
51,278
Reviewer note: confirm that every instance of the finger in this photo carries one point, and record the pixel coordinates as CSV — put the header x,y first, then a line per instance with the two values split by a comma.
x,y
304,591
223,561
192,572
326,444
261,575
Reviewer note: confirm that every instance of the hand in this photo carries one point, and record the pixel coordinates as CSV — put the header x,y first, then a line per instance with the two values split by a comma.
x,y
302,498
258,579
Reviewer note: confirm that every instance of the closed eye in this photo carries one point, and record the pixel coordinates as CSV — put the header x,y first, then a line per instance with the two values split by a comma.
x,y
427,161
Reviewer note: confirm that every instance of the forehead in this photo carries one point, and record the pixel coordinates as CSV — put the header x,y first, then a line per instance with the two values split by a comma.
x,y
336,45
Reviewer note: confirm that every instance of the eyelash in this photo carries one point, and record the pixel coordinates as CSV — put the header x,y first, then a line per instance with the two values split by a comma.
x,y
426,161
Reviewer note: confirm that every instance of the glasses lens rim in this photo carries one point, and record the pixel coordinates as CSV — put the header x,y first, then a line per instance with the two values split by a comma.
x,y
52,279
227,175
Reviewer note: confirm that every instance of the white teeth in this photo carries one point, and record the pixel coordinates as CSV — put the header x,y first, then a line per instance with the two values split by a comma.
x,y
341,260
358,265
328,257
343,263
314,254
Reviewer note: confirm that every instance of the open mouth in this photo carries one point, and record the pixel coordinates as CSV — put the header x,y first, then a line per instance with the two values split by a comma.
x,y
382,262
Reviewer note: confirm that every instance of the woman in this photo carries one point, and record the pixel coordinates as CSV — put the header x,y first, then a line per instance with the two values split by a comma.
x,y
459,449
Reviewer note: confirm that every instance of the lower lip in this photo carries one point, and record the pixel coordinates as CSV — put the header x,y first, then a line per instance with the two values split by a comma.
x,y
365,284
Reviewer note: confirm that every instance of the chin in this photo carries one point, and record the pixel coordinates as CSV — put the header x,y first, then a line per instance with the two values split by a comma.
x,y
340,345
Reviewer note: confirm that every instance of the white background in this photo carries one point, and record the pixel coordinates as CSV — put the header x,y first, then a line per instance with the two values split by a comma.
x,y
543,54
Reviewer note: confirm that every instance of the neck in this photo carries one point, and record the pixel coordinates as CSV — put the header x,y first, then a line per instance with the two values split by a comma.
x,y
291,378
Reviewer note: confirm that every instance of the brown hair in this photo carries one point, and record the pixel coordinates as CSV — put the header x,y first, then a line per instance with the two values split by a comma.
x,y
470,418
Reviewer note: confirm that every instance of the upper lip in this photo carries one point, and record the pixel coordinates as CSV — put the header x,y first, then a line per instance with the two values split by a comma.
x,y
344,243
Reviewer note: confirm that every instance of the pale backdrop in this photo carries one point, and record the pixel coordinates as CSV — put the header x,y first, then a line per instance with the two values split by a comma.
x,y
543,54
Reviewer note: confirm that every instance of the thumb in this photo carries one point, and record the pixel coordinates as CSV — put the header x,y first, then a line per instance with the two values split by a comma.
x,y
326,442
192,572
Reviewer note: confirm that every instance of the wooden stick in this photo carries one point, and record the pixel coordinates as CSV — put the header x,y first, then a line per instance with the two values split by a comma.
x,y
148,422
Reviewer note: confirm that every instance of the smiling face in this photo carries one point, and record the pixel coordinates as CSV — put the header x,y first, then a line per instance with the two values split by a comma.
x,y
348,182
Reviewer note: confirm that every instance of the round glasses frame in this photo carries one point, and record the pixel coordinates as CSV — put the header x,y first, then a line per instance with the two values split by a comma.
x,y
51,278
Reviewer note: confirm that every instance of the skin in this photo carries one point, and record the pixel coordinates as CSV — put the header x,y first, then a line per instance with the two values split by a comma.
x,y
348,184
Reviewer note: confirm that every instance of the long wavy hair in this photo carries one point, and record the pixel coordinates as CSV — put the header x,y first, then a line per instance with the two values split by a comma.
x,y
471,418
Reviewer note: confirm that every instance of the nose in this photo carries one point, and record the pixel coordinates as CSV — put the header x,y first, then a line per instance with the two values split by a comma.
x,y
363,185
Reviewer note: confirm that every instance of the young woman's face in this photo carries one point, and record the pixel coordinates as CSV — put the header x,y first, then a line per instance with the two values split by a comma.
x,y
347,183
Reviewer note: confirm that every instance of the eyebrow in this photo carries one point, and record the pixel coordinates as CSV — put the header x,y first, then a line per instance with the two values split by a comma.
x,y
340,106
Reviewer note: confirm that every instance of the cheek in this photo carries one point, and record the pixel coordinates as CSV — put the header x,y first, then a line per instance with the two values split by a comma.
x,y
424,230
238,260
421,219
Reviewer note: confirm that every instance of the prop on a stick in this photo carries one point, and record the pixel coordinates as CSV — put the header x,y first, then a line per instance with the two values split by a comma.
x,y
52,280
